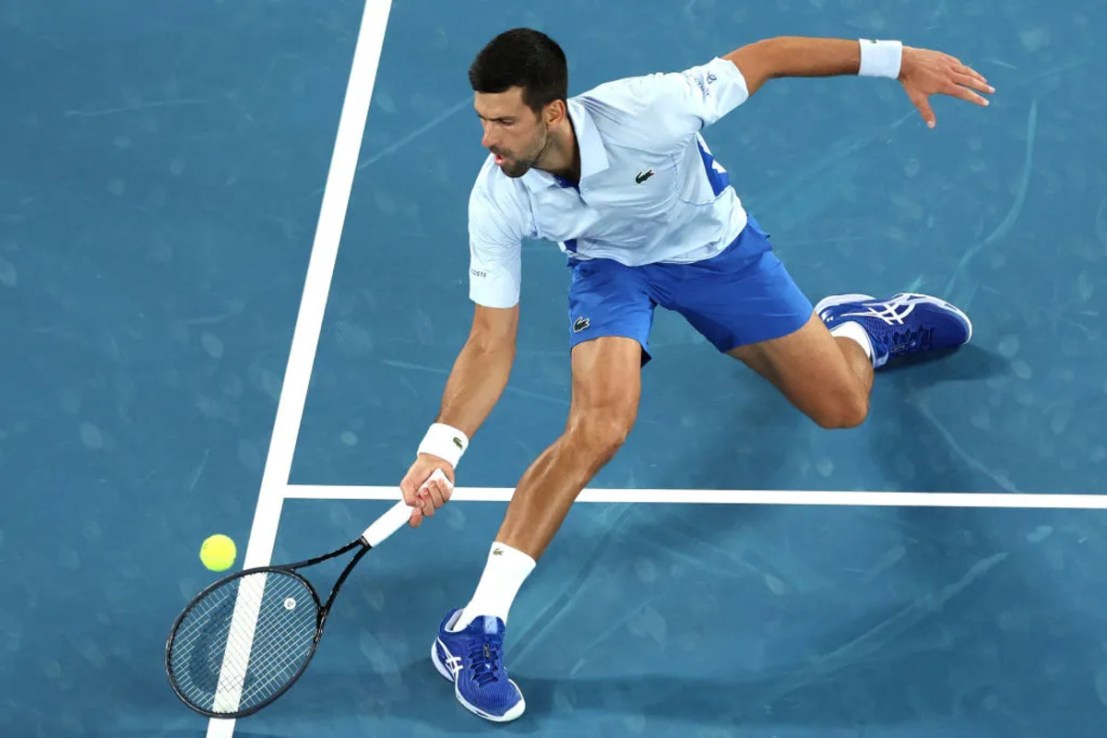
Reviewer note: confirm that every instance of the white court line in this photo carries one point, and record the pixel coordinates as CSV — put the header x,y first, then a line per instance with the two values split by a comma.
x,y
736,497
313,305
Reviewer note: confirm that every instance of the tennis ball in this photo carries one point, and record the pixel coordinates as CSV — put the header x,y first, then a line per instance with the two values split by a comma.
x,y
218,552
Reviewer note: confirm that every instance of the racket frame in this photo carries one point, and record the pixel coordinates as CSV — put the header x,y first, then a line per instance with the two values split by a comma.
x,y
322,610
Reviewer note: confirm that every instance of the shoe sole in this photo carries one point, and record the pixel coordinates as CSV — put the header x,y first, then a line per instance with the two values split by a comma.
x,y
829,302
512,714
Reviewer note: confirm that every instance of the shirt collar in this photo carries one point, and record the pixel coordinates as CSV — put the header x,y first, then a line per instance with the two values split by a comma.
x,y
593,157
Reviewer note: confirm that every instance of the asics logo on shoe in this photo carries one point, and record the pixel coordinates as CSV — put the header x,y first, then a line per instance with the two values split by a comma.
x,y
453,663
890,319
892,312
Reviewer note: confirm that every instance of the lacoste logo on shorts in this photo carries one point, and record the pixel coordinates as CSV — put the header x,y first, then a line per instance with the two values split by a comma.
x,y
580,324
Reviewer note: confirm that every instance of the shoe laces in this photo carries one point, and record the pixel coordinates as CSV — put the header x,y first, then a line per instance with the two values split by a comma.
x,y
910,342
484,661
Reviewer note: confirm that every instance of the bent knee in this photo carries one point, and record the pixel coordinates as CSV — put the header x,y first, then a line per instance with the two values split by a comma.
x,y
845,411
600,435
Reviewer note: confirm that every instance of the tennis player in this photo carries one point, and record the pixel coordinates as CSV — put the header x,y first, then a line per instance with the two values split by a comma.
x,y
622,179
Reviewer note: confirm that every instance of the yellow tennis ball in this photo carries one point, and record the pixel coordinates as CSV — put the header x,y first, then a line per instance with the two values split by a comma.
x,y
218,552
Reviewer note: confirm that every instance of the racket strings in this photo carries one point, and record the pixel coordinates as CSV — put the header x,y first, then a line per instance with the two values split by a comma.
x,y
244,641
239,668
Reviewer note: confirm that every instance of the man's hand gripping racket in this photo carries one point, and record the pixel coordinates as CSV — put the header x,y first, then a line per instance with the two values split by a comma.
x,y
243,641
427,486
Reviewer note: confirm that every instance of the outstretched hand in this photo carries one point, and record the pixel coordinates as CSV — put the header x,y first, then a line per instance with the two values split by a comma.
x,y
924,73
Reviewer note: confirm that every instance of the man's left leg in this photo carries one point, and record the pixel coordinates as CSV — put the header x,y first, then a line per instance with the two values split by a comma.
x,y
827,378
821,358
826,367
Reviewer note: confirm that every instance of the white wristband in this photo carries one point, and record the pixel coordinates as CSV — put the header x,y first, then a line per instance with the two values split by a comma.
x,y
880,58
445,442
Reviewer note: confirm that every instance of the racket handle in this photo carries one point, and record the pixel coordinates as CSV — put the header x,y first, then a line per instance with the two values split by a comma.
x,y
396,518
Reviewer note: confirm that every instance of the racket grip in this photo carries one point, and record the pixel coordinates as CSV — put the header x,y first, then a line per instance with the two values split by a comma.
x,y
396,518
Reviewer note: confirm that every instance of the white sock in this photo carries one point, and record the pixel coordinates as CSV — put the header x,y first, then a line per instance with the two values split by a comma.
x,y
504,574
854,331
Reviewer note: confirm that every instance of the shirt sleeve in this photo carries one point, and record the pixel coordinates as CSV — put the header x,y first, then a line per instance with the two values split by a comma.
x,y
495,252
682,103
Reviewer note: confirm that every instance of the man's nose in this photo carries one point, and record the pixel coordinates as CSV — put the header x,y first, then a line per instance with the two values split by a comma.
x,y
487,139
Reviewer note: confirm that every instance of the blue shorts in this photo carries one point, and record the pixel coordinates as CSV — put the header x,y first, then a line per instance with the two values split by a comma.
x,y
741,296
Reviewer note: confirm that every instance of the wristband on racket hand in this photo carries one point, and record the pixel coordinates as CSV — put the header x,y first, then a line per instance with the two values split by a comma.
x,y
445,442
880,58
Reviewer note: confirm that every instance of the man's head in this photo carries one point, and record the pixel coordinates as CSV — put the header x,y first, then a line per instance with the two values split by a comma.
x,y
521,83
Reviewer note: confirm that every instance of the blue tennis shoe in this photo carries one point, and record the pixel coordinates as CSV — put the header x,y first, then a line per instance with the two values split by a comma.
x,y
472,658
906,323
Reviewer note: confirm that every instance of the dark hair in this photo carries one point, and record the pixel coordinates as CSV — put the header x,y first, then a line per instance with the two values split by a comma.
x,y
522,57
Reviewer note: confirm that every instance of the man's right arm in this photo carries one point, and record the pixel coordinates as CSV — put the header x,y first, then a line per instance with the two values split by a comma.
x,y
481,370
475,384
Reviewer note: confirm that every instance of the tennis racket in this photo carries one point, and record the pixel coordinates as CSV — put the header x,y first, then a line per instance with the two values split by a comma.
x,y
243,641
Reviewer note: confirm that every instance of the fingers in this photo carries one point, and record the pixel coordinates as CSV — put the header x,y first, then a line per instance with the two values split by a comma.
x,y
965,82
972,82
423,507
426,492
437,492
967,95
411,498
427,502
923,104
941,74
416,518
967,71
407,487
412,493
963,86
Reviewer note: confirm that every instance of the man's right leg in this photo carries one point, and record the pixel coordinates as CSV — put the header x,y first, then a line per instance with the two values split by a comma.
x,y
610,314
469,647
606,388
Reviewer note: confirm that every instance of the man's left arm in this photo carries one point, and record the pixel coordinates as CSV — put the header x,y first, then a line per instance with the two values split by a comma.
x,y
922,72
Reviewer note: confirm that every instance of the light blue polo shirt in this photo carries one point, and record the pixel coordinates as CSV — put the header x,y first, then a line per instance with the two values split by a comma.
x,y
650,191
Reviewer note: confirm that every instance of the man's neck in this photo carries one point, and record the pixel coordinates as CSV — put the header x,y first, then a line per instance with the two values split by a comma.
x,y
563,157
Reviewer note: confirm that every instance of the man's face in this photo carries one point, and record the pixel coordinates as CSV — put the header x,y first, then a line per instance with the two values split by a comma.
x,y
512,131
